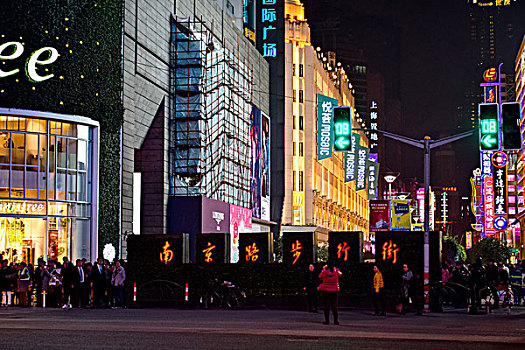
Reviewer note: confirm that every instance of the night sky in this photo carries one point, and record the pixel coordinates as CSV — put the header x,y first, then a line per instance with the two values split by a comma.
x,y
422,49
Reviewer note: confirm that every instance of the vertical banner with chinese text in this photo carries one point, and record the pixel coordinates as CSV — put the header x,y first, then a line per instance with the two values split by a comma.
x,y
362,159
325,133
373,173
350,159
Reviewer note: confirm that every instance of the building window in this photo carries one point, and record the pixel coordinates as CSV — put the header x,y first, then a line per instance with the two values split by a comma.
x,y
293,69
294,123
301,149
293,148
301,126
293,180
301,98
301,181
301,73
294,96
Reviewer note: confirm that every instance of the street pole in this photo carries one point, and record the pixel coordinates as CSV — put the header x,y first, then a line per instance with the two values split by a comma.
x,y
426,242
427,144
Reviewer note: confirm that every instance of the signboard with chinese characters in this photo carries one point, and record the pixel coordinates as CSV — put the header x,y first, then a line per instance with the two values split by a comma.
x,y
211,248
499,181
488,206
491,94
298,248
248,19
350,159
345,247
468,240
374,126
325,134
379,215
158,250
373,173
400,215
362,158
395,248
270,28
254,248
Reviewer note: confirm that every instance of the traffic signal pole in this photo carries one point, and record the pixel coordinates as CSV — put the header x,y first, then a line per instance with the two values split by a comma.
x,y
427,144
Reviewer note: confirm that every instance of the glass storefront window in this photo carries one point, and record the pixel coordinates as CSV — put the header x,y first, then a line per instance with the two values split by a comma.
x,y
45,170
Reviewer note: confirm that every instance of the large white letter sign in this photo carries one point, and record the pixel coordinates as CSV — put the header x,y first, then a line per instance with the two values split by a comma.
x,y
34,60
19,49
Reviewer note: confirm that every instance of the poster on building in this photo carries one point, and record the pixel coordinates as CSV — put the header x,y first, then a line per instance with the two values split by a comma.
x,y
345,247
362,159
400,215
298,207
325,134
240,223
372,174
255,146
350,159
265,167
379,215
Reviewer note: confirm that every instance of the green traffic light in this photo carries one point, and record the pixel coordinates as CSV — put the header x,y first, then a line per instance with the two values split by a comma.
x,y
342,117
488,127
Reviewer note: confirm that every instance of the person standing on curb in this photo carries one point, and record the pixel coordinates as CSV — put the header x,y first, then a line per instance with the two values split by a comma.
x,y
310,286
377,293
330,289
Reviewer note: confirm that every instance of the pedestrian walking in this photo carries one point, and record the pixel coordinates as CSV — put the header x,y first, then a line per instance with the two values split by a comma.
x,y
378,293
330,289
310,284
118,280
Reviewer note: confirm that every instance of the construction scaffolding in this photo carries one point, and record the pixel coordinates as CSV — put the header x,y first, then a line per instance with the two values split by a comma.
x,y
210,117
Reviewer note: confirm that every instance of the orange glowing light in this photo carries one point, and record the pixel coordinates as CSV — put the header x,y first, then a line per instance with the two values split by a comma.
x,y
208,252
342,247
296,250
390,251
490,75
251,252
167,254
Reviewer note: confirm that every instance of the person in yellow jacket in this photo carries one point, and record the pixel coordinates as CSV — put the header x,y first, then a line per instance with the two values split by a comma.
x,y
23,283
377,293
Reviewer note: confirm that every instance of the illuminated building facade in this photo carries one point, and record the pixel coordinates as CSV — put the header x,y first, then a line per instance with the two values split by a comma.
x,y
316,196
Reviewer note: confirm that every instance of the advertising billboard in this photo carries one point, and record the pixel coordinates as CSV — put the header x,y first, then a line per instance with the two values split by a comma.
x,y
240,223
400,215
255,145
265,167
325,133
379,215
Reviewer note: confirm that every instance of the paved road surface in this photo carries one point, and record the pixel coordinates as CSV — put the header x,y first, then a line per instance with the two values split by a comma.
x,y
154,329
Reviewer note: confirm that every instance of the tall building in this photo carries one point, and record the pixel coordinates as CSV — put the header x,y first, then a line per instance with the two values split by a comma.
x,y
196,100
316,195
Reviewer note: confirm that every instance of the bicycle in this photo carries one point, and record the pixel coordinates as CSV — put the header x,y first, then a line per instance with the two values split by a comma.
x,y
223,294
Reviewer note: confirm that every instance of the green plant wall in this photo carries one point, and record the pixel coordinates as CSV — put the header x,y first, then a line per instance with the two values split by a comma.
x,y
87,77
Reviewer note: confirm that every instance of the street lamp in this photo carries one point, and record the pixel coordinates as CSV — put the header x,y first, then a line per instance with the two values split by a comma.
x,y
390,177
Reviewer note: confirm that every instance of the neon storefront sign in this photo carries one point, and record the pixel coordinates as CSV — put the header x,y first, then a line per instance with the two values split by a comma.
x,y
43,56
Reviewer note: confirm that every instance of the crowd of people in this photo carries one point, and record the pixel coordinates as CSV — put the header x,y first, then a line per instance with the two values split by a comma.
x,y
465,281
497,277
66,285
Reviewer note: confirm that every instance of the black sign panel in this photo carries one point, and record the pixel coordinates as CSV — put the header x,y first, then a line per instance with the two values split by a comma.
x,y
161,250
395,248
211,249
298,248
254,248
345,247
